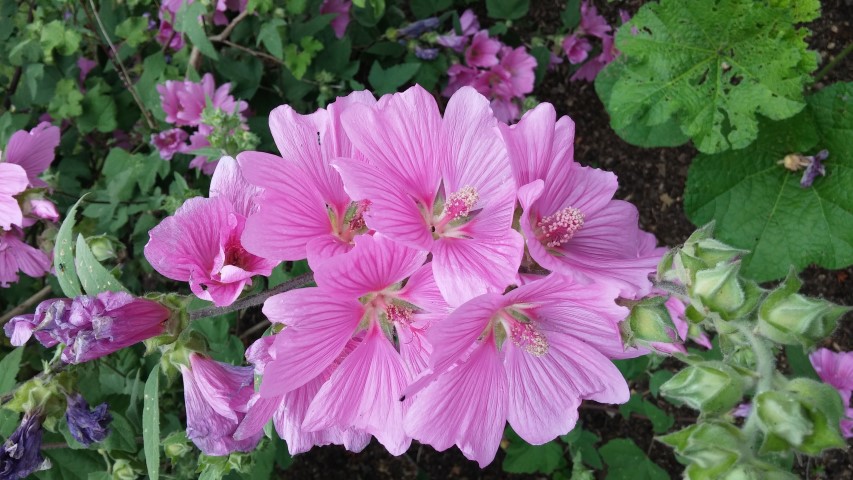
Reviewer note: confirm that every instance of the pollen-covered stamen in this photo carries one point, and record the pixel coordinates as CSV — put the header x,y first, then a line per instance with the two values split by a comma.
x,y
356,221
460,203
526,336
558,228
398,314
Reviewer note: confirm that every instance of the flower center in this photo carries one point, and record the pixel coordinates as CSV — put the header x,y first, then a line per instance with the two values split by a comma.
x,y
351,223
398,314
455,210
558,228
522,331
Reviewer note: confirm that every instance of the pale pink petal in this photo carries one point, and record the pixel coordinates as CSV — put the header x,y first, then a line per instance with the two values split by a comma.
x,y
31,260
467,406
260,410
319,328
323,248
363,393
529,143
569,184
228,182
33,150
373,265
835,369
422,291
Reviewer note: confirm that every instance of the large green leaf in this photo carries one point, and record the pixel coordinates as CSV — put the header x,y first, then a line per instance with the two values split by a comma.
x,y
187,21
625,461
760,206
9,367
151,423
521,457
388,81
63,255
712,66
93,276
507,9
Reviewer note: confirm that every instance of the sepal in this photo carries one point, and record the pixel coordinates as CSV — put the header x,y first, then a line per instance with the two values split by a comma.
x,y
710,387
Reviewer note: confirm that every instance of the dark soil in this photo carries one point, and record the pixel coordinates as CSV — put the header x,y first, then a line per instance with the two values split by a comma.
x,y
654,180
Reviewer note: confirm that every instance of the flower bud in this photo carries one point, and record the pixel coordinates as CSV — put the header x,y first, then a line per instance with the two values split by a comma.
x,y
176,445
650,321
87,426
714,252
711,447
123,470
710,387
825,410
720,289
103,247
790,318
783,416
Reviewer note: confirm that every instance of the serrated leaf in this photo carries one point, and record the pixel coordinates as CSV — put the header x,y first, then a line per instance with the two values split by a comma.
x,y
63,255
98,111
67,100
55,36
507,9
713,66
151,423
187,21
625,461
134,30
388,81
270,36
93,276
521,457
760,206
9,367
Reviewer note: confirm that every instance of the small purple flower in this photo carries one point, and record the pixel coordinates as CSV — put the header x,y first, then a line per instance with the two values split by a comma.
x,y
87,426
21,453
814,168
170,142
90,327
416,29
426,53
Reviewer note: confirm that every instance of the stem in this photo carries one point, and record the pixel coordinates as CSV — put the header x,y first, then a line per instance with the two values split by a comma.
x,y
833,63
195,53
254,300
26,305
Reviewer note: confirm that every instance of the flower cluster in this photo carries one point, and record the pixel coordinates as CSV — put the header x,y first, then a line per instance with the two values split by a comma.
x,y
208,112
577,46
501,73
90,326
466,274
836,369
22,200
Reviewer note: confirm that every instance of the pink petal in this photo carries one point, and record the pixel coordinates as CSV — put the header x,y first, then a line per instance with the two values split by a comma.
x,y
467,406
373,265
833,368
228,182
529,143
319,327
33,150
364,393
322,248
585,188
422,291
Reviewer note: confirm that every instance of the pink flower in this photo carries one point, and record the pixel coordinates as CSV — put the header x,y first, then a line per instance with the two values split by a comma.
x,y
13,180
529,356
483,51
590,69
506,110
847,423
38,208
460,76
85,65
170,142
341,8
91,326
167,36
521,67
470,25
592,23
570,220
836,369
15,256
358,301
442,185
288,410
33,150
303,197
577,48
212,259
184,101
222,6
216,396
198,140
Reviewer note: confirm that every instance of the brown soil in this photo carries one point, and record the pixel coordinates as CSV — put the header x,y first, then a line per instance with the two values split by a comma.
x,y
654,180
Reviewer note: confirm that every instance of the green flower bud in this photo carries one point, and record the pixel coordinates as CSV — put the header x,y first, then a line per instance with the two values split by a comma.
x,y
790,318
719,289
103,247
123,470
711,447
714,252
710,387
176,445
757,471
825,409
649,321
782,415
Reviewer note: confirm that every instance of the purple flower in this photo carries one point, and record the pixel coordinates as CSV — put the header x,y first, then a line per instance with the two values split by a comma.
x,y
216,396
483,51
90,327
470,25
577,48
170,142
85,65
21,453
814,168
87,426
426,53
416,29
341,9
16,256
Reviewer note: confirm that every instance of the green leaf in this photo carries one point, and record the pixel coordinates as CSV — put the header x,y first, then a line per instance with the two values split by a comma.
x,y
134,30
151,423
760,206
67,100
713,66
521,457
543,59
187,21
657,379
68,464
270,36
661,421
153,68
427,8
507,9
800,364
666,134
55,36
122,436
99,111
625,461
93,276
388,81
63,255
299,31
9,367
582,442
571,15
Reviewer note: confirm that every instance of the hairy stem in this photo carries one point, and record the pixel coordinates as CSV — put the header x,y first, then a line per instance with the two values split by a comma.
x,y
254,300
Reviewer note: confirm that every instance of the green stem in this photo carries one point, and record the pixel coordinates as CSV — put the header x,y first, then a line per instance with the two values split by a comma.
x,y
832,64
253,300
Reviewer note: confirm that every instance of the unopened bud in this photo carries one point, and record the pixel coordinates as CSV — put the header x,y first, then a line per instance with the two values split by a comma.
x,y
790,318
783,416
650,321
123,470
103,247
713,252
710,387
719,288
711,447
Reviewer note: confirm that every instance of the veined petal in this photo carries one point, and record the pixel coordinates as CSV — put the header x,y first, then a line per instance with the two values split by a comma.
x,y
585,188
422,291
33,151
325,247
373,265
363,393
228,182
467,406
529,143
